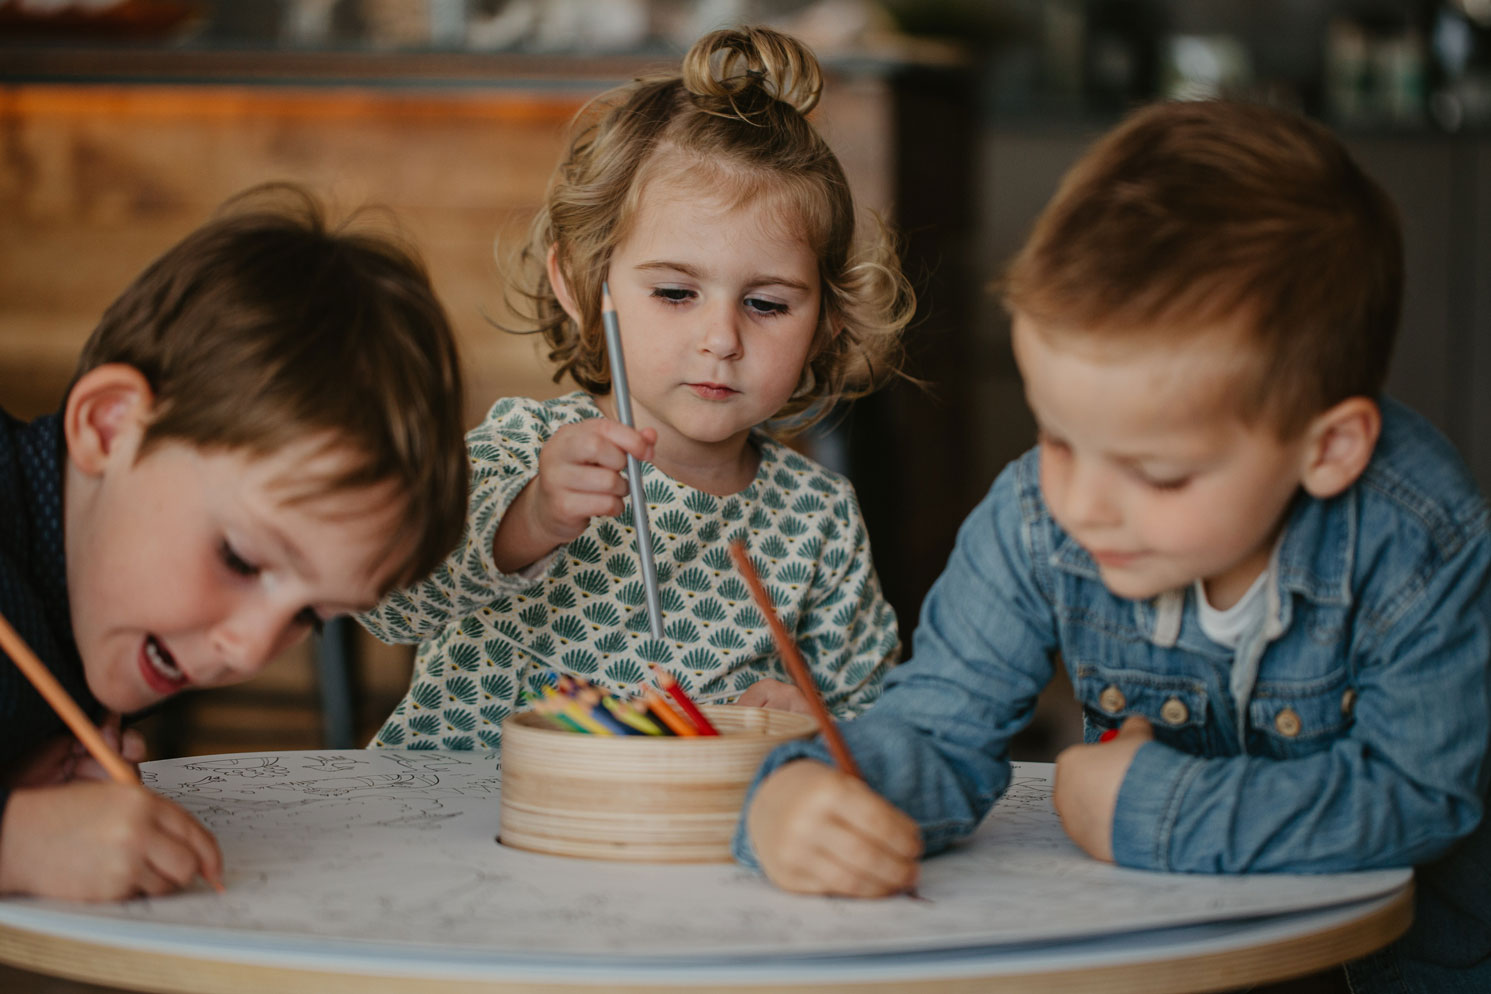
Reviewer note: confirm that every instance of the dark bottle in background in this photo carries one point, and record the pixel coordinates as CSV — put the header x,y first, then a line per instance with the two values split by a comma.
x,y
1120,53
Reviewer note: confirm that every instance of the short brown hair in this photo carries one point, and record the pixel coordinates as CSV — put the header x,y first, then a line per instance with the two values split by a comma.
x,y
1190,214
266,326
732,121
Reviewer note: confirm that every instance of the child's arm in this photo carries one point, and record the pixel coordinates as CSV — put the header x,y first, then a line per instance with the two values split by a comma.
x,y
100,841
579,477
820,831
1397,789
935,744
505,452
1088,777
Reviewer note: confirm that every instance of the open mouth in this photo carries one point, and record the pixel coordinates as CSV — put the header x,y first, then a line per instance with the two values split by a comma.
x,y
160,669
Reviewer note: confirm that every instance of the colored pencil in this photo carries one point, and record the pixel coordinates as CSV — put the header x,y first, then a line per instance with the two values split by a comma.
x,y
572,710
660,709
794,662
670,684
67,709
549,709
594,703
633,468
628,715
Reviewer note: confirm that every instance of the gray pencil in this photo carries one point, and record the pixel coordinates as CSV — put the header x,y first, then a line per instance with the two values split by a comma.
x,y
633,468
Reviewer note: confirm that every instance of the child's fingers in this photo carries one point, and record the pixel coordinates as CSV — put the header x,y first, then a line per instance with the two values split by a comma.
x,y
600,442
874,819
769,693
573,508
132,747
130,744
174,861
1136,725
866,866
192,848
151,882
631,442
818,830
586,479
111,728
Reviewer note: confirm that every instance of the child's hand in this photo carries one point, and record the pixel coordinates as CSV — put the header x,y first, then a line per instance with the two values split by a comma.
x,y
64,758
90,841
1088,777
770,693
819,831
580,475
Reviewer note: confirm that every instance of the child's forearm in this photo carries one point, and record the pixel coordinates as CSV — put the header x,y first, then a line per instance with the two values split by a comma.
x,y
520,540
1339,810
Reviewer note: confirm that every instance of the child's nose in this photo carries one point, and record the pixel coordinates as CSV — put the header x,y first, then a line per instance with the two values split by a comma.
x,y
721,335
1089,495
249,638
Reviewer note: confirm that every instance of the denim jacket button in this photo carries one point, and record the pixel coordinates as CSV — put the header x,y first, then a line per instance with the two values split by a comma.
x,y
1111,699
1348,701
1287,722
1174,711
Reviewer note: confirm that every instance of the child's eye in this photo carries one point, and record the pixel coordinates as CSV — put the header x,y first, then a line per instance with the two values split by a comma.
x,y
673,294
769,308
235,562
1175,484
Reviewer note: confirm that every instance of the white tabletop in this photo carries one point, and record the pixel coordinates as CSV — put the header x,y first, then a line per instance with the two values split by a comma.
x,y
382,867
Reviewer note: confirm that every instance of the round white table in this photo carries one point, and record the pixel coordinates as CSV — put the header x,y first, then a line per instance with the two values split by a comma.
x,y
374,872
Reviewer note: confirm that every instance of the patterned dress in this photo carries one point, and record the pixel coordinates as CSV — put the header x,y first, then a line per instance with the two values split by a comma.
x,y
485,636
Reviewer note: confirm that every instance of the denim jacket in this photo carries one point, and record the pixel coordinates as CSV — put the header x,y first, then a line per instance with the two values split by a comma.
x,y
1349,732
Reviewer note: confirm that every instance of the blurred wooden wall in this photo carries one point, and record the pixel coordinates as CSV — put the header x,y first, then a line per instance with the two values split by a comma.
x,y
96,181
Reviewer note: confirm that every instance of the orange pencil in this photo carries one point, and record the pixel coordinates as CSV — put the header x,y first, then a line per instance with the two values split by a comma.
x,y
793,659
676,722
67,709
669,683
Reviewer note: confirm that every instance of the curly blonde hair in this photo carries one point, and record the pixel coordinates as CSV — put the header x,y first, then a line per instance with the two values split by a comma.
x,y
733,121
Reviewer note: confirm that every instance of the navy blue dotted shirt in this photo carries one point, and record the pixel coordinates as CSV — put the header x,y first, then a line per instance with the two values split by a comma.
x,y
33,585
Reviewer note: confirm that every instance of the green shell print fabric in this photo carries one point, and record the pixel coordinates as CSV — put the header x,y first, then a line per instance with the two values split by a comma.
x,y
486,636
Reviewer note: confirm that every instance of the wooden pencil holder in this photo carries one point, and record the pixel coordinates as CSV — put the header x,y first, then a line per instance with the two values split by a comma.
x,y
643,798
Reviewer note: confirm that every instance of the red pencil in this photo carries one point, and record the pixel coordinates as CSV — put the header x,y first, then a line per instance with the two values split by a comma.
x,y
668,683
795,665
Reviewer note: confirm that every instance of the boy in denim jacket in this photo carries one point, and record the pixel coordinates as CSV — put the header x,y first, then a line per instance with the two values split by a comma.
x,y
1269,579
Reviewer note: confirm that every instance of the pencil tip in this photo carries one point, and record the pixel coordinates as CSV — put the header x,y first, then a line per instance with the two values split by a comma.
x,y
606,296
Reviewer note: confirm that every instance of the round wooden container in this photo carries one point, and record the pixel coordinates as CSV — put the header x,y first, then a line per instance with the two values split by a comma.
x,y
636,797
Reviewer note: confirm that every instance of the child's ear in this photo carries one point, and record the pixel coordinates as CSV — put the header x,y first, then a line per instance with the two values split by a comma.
x,y
109,405
561,288
1341,442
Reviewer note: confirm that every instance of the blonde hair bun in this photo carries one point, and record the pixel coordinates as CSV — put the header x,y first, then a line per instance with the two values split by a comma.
x,y
725,66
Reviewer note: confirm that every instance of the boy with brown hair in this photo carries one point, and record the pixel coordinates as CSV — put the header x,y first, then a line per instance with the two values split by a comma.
x,y
1268,579
264,431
